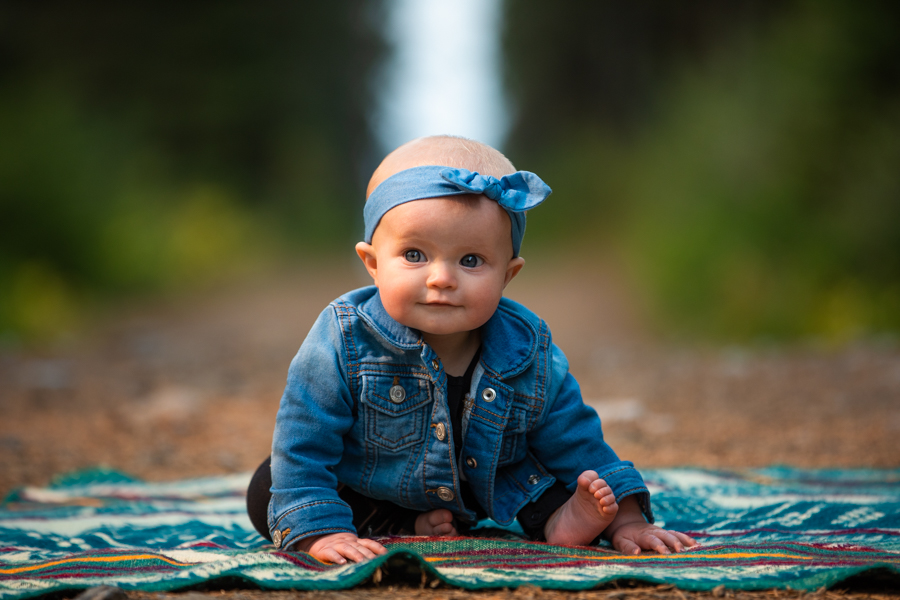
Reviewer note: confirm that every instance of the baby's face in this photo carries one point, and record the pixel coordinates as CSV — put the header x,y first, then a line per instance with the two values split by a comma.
x,y
441,264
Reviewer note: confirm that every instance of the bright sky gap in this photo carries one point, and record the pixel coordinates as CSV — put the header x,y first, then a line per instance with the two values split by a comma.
x,y
444,75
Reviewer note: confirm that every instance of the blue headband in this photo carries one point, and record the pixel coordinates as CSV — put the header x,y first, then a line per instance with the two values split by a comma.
x,y
515,193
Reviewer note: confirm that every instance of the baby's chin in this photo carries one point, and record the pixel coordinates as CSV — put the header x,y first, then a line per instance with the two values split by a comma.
x,y
449,320
440,319
436,326
445,331
440,329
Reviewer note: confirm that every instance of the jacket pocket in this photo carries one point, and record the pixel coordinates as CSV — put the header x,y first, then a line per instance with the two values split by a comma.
x,y
513,442
396,410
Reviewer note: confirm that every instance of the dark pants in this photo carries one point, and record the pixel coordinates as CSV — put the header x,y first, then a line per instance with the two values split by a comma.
x,y
373,517
370,516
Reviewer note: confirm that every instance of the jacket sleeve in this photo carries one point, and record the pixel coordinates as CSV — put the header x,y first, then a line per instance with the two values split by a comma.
x,y
316,411
568,439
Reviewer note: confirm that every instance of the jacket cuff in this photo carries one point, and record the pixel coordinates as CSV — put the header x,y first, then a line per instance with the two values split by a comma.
x,y
313,518
626,481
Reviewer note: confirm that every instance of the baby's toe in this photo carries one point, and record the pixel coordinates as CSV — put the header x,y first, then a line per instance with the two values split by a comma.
x,y
597,485
586,482
609,510
427,523
605,499
440,517
445,529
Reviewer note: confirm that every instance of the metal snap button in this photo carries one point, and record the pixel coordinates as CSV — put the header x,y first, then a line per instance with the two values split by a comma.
x,y
533,479
397,394
445,494
471,462
440,431
488,394
435,364
276,538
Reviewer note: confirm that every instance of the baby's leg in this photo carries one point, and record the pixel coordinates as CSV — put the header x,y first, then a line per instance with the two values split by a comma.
x,y
258,496
585,515
435,522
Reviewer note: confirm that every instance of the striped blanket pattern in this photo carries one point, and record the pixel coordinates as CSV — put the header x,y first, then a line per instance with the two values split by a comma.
x,y
764,528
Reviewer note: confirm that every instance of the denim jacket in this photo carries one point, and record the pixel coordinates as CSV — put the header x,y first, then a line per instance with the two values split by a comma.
x,y
365,405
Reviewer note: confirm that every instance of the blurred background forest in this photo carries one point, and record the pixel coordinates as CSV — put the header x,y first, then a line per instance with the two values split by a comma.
x,y
739,160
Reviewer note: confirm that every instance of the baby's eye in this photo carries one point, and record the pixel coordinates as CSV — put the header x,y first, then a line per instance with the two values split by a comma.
x,y
471,261
413,256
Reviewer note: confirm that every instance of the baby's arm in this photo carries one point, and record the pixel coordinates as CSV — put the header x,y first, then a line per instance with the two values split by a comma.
x,y
316,412
629,532
338,547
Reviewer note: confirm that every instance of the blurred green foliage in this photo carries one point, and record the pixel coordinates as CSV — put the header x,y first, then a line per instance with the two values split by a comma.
x,y
155,146
739,157
743,159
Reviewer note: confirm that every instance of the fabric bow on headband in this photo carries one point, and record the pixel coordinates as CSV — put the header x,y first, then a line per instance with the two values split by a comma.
x,y
515,193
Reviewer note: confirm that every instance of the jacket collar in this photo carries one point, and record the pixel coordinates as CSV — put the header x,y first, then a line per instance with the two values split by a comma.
x,y
508,341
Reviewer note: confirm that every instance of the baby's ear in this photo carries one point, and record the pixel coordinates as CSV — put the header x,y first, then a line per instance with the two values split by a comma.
x,y
366,254
512,269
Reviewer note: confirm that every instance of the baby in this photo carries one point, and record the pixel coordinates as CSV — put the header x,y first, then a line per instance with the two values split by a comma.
x,y
428,401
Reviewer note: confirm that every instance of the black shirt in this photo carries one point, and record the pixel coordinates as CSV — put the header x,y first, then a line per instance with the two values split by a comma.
x,y
457,392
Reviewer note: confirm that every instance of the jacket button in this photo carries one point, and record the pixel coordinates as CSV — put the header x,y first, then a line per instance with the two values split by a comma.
x,y
471,462
533,479
440,431
488,394
435,364
445,494
276,538
398,394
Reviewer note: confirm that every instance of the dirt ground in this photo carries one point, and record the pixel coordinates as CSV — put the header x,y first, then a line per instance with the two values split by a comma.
x,y
173,389
408,592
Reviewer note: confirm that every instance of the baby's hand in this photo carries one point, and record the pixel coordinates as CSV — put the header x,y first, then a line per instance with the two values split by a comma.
x,y
338,547
630,538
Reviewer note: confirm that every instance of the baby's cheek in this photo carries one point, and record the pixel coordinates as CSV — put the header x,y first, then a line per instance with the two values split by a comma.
x,y
484,301
396,302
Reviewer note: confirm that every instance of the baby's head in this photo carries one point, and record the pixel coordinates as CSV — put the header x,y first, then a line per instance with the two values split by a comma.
x,y
443,229
444,150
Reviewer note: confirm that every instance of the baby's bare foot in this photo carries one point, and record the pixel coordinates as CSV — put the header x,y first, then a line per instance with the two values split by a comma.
x,y
435,522
585,515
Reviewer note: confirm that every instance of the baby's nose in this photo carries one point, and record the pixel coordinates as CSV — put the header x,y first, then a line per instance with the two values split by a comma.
x,y
441,275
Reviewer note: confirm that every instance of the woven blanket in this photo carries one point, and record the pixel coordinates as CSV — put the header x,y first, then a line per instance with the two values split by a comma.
x,y
768,528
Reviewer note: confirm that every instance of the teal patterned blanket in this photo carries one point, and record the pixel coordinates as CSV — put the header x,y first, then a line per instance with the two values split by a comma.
x,y
766,528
